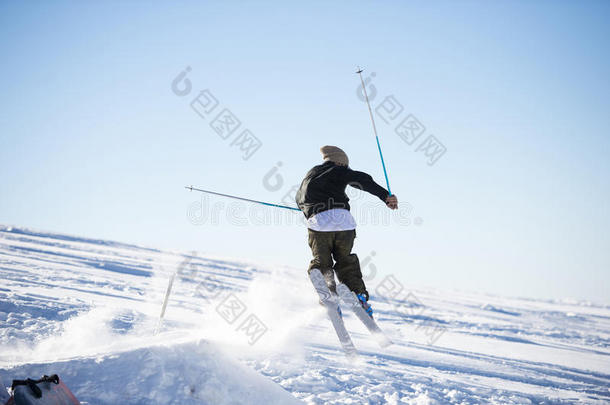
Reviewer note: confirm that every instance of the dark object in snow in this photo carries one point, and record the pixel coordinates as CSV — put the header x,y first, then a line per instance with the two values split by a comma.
x,y
46,391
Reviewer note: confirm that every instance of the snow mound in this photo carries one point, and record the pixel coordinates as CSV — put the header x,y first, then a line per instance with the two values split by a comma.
x,y
190,373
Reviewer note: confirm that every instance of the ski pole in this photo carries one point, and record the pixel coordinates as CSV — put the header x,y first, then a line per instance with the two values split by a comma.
x,y
165,301
385,173
168,291
242,199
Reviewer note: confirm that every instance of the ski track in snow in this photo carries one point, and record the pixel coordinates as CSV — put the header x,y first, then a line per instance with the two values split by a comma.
x,y
88,309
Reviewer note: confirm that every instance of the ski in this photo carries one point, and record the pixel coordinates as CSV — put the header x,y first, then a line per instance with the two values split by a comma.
x,y
350,299
331,303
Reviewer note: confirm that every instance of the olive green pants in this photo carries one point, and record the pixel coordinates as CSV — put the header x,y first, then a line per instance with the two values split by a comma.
x,y
326,246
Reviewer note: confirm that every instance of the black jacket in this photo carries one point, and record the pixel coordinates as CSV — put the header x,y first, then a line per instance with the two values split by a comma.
x,y
324,188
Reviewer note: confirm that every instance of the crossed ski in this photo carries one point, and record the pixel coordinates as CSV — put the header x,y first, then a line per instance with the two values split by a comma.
x,y
349,299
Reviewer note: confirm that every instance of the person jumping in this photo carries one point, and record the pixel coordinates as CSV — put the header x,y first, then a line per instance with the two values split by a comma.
x,y
331,226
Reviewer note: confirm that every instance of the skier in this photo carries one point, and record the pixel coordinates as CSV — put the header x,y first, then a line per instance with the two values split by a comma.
x,y
331,226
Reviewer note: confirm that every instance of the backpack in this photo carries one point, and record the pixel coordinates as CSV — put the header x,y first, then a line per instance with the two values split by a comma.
x,y
46,391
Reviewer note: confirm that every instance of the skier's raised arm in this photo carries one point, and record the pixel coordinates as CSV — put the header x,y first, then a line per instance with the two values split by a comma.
x,y
364,181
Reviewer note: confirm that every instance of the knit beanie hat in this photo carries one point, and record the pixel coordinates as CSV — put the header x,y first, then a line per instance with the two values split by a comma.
x,y
334,154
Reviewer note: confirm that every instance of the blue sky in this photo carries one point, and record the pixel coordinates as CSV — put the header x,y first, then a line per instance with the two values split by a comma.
x,y
94,142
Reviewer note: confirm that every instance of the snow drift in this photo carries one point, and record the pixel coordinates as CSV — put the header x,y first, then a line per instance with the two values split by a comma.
x,y
193,373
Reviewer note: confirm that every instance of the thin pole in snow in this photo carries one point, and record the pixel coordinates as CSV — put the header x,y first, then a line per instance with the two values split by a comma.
x,y
168,291
165,301
242,199
366,96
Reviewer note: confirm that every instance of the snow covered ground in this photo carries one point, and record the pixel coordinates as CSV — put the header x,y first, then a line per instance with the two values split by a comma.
x,y
238,332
